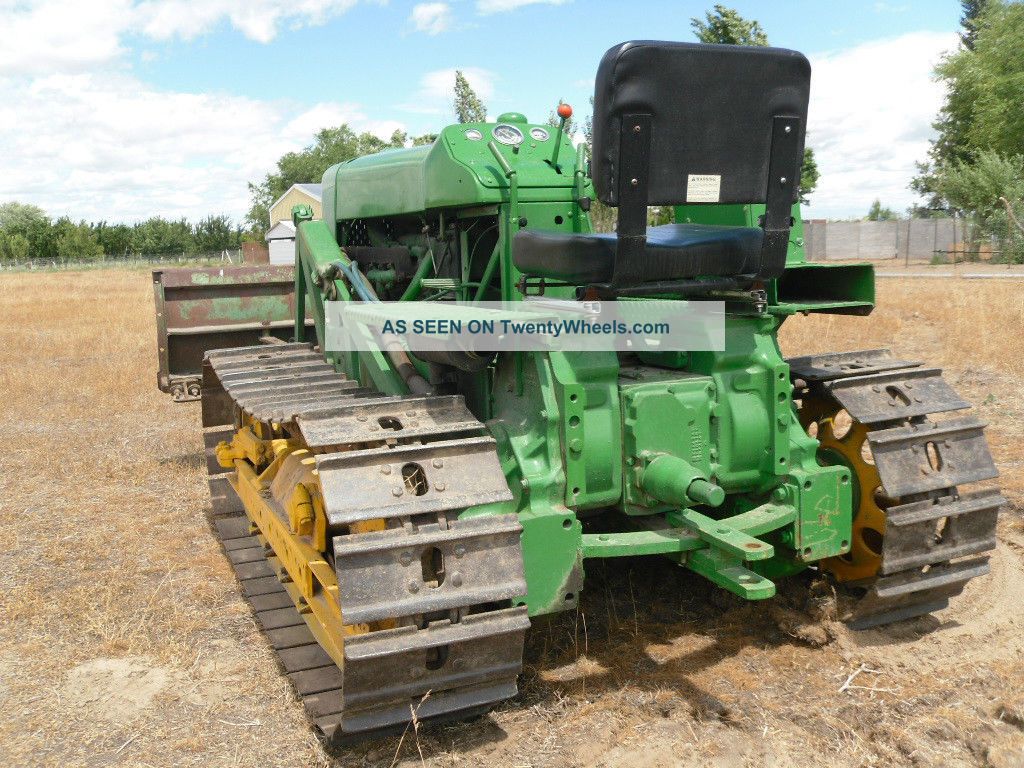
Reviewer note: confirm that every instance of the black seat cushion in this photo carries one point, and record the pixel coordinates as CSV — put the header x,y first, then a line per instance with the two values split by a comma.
x,y
674,252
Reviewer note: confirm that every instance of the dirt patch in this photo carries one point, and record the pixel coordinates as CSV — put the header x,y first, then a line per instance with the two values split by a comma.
x,y
115,689
108,570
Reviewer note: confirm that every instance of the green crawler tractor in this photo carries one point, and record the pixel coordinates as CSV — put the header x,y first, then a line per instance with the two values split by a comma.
x,y
396,518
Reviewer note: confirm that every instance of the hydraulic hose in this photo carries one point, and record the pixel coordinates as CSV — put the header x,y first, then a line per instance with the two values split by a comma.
x,y
392,348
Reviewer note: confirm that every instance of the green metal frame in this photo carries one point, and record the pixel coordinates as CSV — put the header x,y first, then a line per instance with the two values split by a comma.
x,y
701,453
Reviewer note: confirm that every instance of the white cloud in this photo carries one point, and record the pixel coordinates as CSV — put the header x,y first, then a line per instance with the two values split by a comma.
x,y
502,6
257,19
870,120
436,94
46,36
431,18
61,35
108,146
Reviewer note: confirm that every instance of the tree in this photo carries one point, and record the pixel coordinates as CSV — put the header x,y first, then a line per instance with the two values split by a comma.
x,y
877,213
157,235
468,106
554,120
331,146
989,190
726,26
214,234
972,10
32,223
75,241
13,247
115,239
808,176
20,217
984,88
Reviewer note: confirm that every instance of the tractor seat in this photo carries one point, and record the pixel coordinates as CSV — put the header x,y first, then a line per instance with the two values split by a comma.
x,y
673,251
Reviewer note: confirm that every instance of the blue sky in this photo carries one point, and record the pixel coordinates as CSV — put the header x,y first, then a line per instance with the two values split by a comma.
x,y
118,109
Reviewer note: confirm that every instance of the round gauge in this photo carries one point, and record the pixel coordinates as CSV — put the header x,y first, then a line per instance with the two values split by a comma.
x,y
508,134
539,134
473,134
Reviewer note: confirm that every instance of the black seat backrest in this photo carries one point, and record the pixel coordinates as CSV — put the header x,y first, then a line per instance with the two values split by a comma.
x,y
682,123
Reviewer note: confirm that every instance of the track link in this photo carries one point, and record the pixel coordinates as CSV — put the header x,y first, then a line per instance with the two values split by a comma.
x,y
936,537
448,645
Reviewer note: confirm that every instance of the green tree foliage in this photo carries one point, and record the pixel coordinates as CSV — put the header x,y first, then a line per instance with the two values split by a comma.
x,y
468,106
13,247
972,10
985,87
31,223
554,120
975,164
808,176
213,234
20,217
75,241
157,235
27,232
877,213
726,26
115,239
331,146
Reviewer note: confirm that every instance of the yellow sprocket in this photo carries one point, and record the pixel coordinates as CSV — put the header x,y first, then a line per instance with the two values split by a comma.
x,y
844,440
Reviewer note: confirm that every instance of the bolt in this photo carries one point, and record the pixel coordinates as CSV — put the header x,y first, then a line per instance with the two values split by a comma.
x,y
397,491
634,182
414,586
360,418
636,129
908,385
876,389
386,469
783,180
456,579
460,551
438,463
405,558
439,486
788,129
374,427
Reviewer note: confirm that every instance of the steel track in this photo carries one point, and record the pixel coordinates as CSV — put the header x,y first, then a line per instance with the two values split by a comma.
x,y
937,535
452,646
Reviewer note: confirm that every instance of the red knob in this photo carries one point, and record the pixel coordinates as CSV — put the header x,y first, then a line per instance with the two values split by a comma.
x,y
564,111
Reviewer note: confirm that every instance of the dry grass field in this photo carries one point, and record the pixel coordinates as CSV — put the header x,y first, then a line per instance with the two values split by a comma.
x,y
124,641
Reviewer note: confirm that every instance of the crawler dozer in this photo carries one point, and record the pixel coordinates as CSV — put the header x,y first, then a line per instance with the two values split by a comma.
x,y
395,519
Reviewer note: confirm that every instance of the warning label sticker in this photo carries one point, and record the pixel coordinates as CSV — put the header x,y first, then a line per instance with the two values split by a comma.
x,y
703,188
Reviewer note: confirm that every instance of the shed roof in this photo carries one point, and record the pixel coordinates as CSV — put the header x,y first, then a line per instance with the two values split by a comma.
x,y
310,190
